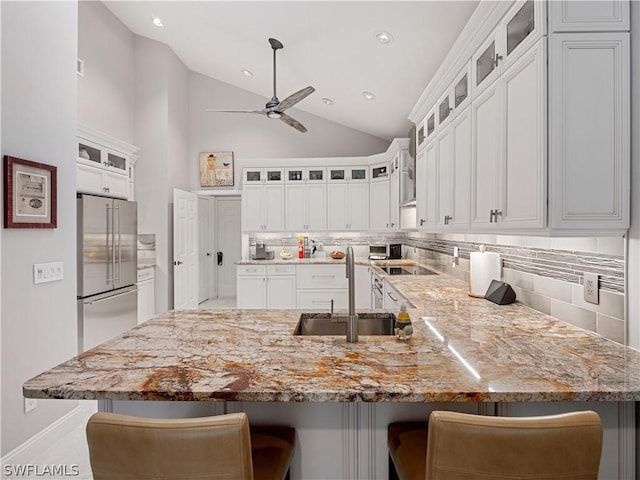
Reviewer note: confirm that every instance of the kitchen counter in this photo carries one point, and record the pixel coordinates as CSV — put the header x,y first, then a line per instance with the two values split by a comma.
x,y
463,349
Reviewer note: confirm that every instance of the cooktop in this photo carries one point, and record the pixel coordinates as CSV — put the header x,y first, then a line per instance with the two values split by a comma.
x,y
408,270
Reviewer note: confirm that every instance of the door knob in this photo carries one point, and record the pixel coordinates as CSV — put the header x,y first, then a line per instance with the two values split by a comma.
x,y
208,254
177,262
220,257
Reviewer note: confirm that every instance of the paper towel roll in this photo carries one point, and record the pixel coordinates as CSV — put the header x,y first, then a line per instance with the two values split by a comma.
x,y
484,267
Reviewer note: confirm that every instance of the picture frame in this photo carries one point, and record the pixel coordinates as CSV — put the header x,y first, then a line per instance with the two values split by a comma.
x,y
30,194
216,169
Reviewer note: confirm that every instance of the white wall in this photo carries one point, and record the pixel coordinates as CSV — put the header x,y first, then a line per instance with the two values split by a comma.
x,y
105,93
252,136
38,322
161,132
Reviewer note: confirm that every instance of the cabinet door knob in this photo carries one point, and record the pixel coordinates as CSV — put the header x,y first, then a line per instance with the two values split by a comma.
x,y
498,58
422,221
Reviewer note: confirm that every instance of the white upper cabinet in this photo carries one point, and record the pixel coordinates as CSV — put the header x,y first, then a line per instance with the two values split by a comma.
x,y
549,119
524,114
509,147
104,165
394,191
589,131
486,153
263,199
588,16
306,199
454,173
379,197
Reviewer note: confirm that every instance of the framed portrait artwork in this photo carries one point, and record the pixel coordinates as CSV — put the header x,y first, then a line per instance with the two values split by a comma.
x,y
216,169
30,194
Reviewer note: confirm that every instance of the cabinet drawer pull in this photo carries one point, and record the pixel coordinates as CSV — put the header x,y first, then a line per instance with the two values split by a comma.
x,y
320,302
391,297
323,276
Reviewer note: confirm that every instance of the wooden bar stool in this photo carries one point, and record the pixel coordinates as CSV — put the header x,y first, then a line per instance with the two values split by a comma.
x,y
207,448
459,446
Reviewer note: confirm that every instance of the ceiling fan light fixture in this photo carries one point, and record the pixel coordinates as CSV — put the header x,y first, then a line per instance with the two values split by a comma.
x,y
368,96
274,115
247,73
327,101
385,38
157,21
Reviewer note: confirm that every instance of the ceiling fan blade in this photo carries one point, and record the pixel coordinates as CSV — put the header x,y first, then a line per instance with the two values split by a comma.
x,y
292,122
262,112
291,100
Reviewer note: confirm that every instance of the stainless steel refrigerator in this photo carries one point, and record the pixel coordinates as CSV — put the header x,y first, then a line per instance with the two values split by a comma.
x,y
107,268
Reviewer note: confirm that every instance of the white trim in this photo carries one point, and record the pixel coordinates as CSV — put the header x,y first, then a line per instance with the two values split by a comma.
x,y
96,136
46,438
219,193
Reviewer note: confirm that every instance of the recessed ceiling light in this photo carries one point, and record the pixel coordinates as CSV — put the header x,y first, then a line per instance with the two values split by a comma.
x,y
368,96
327,101
385,38
157,21
247,73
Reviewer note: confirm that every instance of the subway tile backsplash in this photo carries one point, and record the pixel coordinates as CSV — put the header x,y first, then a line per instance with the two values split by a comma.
x,y
546,273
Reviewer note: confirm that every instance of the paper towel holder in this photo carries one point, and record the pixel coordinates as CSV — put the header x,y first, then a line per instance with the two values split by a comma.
x,y
500,293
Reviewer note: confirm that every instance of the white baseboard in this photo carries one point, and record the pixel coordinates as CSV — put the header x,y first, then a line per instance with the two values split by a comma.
x,y
41,441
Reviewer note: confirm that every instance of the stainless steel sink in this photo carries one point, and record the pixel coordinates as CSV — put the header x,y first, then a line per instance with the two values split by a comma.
x,y
368,324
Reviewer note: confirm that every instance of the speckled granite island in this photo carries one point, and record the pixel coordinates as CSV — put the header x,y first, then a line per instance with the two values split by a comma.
x,y
466,354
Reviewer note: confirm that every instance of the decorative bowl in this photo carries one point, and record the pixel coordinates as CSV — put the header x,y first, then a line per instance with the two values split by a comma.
x,y
337,255
286,255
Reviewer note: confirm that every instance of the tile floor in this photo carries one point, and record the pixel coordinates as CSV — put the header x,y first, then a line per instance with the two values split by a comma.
x,y
72,449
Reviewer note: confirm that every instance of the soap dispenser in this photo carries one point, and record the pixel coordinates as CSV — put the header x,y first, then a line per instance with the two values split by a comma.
x,y
403,328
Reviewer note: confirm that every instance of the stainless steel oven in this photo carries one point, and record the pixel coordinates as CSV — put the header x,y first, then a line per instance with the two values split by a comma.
x,y
377,289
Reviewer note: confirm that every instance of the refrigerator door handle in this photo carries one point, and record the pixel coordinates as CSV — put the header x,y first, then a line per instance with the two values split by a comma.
x,y
92,302
116,222
109,253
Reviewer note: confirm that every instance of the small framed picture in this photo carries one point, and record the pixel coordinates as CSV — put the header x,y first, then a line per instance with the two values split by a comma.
x,y
30,194
216,169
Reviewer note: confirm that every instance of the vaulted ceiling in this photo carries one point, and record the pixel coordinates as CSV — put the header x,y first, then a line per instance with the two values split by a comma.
x,y
331,46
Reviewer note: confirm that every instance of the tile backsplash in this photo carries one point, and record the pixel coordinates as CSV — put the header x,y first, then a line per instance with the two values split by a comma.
x,y
146,250
546,273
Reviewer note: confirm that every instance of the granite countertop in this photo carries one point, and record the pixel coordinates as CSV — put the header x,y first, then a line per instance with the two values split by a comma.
x,y
463,349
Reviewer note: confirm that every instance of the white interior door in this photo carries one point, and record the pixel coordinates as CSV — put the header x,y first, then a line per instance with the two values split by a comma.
x,y
228,244
185,250
205,247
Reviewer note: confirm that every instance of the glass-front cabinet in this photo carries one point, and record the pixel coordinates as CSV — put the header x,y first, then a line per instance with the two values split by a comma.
x,y
519,30
263,175
444,109
303,174
351,174
96,156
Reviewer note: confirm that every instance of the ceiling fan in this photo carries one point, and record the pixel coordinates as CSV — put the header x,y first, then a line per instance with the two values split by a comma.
x,y
274,107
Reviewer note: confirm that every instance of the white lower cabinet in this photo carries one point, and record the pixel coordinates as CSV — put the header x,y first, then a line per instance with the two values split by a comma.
x,y
318,285
363,286
281,287
146,294
266,286
392,299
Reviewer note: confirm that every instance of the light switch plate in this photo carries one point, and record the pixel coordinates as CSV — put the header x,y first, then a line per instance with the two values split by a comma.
x,y
590,287
47,272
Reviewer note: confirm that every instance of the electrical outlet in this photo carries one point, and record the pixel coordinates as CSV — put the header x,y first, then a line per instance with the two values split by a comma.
x,y
30,404
590,286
